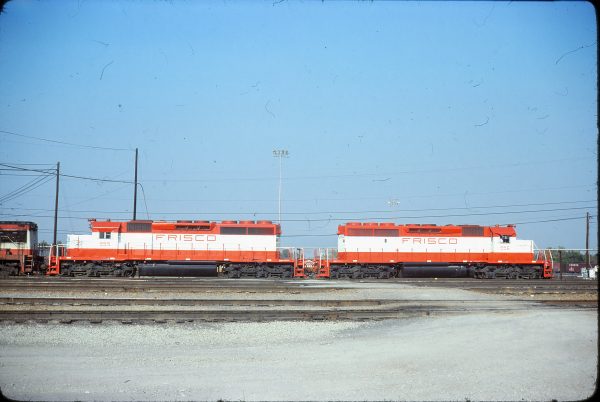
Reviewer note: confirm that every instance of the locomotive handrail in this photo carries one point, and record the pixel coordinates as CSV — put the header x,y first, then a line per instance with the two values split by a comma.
x,y
571,249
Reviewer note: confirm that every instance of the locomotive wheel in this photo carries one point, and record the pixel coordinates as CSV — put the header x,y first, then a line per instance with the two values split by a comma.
x,y
489,274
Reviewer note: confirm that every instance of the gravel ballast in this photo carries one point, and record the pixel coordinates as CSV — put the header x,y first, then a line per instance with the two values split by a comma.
x,y
532,355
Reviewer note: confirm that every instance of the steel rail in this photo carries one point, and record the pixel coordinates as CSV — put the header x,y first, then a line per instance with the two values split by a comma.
x,y
259,310
86,301
174,279
266,289
179,316
285,283
80,301
279,286
288,282
136,286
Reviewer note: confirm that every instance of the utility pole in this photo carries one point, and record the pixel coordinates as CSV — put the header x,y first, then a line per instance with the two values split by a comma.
x,y
587,242
135,185
56,207
560,265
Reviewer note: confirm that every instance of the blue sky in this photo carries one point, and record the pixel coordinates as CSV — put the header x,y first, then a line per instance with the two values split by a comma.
x,y
411,112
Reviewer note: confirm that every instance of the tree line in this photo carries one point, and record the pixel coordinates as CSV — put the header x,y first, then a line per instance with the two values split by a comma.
x,y
573,256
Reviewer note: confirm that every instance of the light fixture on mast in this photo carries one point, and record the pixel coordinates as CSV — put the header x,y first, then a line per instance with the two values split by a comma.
x,y
280,153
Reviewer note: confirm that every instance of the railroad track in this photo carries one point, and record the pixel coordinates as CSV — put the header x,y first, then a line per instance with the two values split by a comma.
x,y
157,285
60,283
69,310
499,283
179,316
87,301
23,291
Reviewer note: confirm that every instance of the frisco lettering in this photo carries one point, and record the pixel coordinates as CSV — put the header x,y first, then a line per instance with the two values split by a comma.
x,y
429,240
185,237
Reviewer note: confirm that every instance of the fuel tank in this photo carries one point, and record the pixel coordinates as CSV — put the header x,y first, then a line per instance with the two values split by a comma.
x,y
426,270
179,268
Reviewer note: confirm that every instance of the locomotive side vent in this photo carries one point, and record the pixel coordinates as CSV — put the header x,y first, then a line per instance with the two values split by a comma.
x,y
472,230
424,230
234,230
140,227
260,231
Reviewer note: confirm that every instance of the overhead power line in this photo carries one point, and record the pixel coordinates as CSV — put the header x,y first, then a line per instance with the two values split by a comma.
x,y
372,218
45,216
64,231
549,220
335,234
95,179
30,164
346,199
308,235
22,169
64,142
513,223
362,219
26,188
20,174
53,172
354,175
180,213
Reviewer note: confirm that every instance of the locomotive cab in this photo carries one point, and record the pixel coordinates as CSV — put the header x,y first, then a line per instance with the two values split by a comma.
x,y
19,252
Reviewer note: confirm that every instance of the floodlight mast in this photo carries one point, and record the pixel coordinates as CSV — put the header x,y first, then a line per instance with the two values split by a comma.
x,y
280,153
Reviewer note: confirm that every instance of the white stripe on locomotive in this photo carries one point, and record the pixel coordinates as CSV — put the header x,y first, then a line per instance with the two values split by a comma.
x,y
433,244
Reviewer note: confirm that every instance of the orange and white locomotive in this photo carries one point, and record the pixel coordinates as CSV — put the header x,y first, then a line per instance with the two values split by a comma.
x,y
182,248
19,252
251,249
384,250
